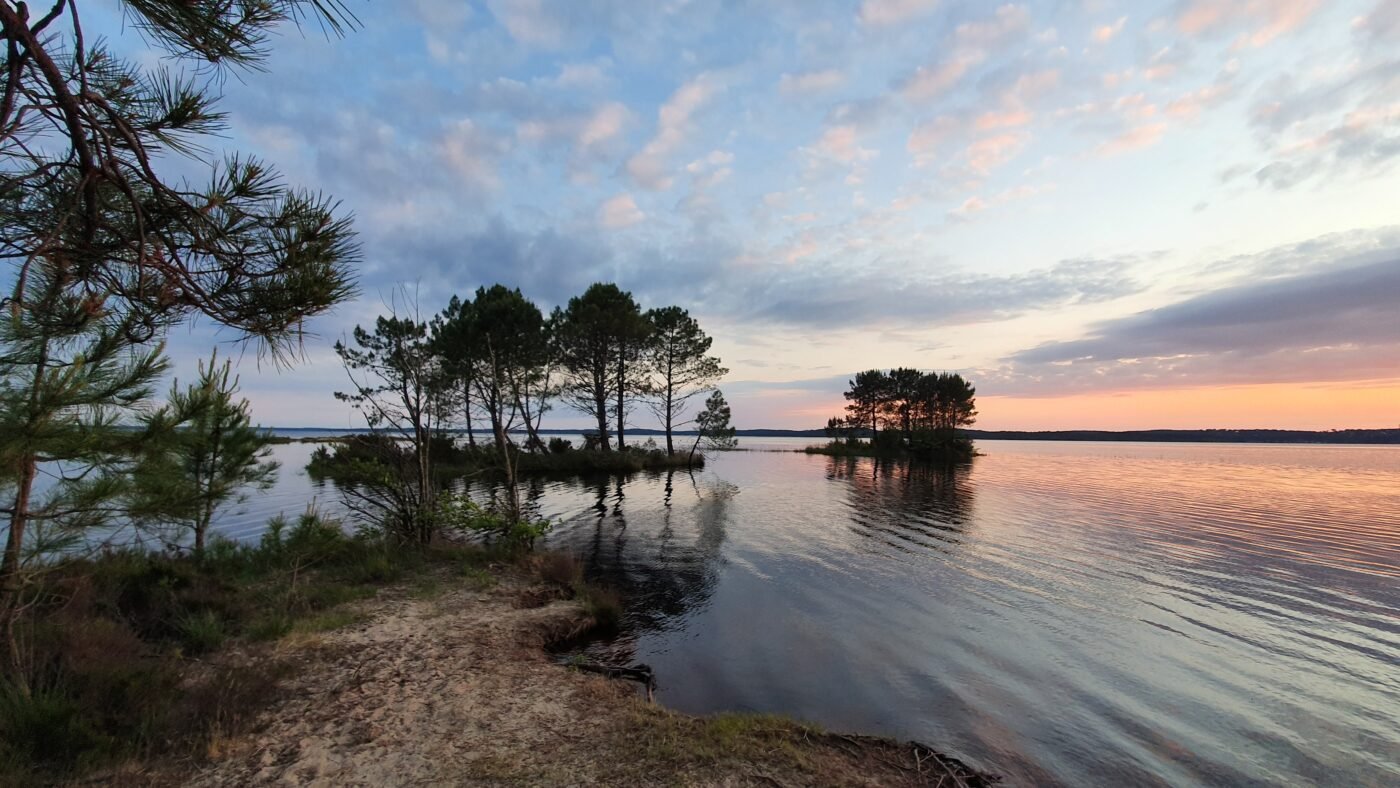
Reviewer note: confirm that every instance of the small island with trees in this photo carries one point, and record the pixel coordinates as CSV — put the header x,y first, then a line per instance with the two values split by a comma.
x,y
496,359
904,413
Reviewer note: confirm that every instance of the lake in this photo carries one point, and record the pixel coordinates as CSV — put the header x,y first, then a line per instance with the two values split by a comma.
x,y
1061,613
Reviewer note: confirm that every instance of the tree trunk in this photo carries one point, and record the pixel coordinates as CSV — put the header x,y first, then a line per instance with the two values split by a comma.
x,y
467,412
669,415
670,400
10,570
621,395
600,402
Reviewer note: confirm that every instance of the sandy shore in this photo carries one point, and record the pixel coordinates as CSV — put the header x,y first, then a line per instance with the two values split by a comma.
x,y
455,687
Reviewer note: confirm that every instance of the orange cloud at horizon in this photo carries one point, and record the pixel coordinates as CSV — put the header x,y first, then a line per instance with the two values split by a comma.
x,y
1370,405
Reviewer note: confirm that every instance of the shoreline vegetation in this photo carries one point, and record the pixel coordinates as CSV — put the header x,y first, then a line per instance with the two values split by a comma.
x,y
953,449
344,459
316,655
1339,436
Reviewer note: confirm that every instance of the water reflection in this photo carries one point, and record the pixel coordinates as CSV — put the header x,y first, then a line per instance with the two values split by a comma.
x,y
662,556
906,505
1068,614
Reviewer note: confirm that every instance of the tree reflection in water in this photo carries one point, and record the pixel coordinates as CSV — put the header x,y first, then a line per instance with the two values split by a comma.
x,y
664,560
907,505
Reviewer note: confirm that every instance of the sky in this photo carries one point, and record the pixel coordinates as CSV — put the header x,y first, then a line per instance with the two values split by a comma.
x,y
1107,215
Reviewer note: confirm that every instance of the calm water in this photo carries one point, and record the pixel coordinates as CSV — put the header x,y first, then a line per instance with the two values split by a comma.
x,y
1063,613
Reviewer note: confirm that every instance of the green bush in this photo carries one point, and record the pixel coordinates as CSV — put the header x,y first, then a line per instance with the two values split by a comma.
x,y
201,631
460,513
45,727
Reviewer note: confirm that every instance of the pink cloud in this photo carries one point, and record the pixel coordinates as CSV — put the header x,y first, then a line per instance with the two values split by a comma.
x,y
1106,33
988,153
1133,139
932,81
1267,19
620,211
1010,118
929,136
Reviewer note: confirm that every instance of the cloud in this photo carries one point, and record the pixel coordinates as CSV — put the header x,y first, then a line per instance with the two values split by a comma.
x,y
932,81
882,13
1382,24
1000,119
1329,128
1266,19
470,152
649,168
970,206
834,294
970,44
811,81
1008,22
988,153
842,144
620,211
1335,321
530,21
1133,139
928,137
1106,33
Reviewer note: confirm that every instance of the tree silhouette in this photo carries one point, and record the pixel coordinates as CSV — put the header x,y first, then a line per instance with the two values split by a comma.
x,y
680,361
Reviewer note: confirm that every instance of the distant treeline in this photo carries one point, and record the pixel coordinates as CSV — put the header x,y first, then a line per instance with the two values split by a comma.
x,y
1145,436
1193,436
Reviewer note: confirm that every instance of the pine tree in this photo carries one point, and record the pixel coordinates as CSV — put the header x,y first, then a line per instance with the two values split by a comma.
x,y
712,425
680,361
107,253
201,452
70,372
398,383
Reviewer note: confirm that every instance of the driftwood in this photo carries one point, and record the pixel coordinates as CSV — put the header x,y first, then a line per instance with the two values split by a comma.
x,y
639,673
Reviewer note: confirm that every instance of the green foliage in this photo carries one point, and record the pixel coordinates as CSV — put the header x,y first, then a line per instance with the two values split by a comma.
x,y
477,579
494,355
107,253
201,452
44,727
69,374
201,631
597,336
679,358
908,401
602,605
400,386
460,513
109,637
243,250
712,424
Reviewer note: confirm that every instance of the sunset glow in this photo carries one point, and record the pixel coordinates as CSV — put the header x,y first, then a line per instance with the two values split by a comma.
x,y
1106,215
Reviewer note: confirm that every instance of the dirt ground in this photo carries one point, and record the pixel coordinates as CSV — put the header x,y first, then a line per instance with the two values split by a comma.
x,y
455,687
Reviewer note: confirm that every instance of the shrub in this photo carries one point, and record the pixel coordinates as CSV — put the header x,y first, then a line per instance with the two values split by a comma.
x,y
270,626
603,605
559,445
559,568
460,513
44,727
201,631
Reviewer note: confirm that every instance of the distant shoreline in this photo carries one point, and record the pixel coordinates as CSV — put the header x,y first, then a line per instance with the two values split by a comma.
x,y
1358,437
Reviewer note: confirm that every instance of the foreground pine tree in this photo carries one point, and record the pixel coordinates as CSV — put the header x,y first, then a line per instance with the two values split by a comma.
x,y
106,253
